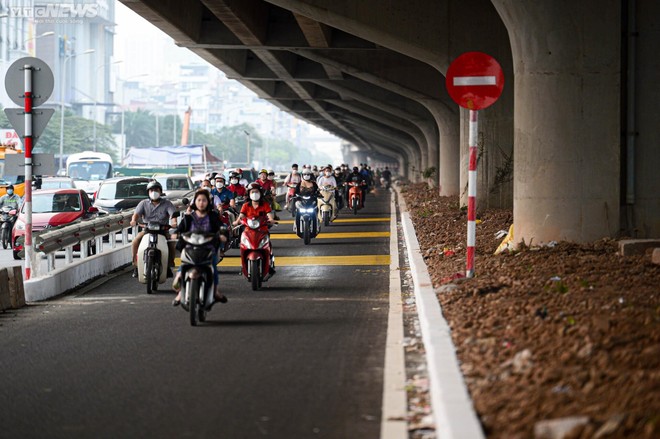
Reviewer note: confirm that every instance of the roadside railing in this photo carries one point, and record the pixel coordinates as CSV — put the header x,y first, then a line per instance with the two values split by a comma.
x,y
89,235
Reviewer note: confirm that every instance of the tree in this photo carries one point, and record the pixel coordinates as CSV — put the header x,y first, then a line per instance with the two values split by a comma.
x,y
78,135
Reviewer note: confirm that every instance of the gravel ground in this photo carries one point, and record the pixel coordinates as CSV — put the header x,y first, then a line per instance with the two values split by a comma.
x,y
546,334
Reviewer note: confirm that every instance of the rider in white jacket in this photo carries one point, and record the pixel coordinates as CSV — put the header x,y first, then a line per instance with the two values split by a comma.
x,y
327,179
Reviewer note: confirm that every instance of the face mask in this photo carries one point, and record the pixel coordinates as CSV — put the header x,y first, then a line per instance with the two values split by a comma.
x,y
10,192
294,172
327,174
255,196
306,177
154,195
270,177
219,185
234,181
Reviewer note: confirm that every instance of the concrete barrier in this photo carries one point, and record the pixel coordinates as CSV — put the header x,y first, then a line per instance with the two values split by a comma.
x,y
629,247
12,293
71,276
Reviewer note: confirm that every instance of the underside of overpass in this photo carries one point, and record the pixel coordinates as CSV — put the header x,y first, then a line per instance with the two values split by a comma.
x,y
570,145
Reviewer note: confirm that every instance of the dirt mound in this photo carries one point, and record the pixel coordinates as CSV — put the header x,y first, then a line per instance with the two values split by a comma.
x,y
546,333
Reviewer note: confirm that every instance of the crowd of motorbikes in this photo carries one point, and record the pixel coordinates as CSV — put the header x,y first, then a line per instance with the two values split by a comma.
x,y
310,212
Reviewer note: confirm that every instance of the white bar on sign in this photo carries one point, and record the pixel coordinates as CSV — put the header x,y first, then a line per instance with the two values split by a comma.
x,y
475,80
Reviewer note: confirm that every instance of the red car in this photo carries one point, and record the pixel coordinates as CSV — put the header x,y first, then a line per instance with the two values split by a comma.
x,y
51,208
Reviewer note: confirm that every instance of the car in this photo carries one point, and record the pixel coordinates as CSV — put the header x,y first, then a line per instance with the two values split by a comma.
x,y
52,208
57,183
175,185
249,175
121,193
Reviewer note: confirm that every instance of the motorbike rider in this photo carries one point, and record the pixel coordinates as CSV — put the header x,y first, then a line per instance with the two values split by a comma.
x,y
235,185
291,180
356,177
241,179
339,193
387,176
10,198
225,195
153,209
257,207
327,179
200,217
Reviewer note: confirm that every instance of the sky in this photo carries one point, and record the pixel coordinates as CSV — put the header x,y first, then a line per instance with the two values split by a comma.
x,y
145,49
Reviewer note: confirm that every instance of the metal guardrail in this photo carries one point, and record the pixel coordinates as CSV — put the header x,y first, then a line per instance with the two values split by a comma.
x,y
83,233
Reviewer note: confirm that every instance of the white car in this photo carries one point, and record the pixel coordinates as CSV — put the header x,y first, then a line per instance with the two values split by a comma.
x,y
175,185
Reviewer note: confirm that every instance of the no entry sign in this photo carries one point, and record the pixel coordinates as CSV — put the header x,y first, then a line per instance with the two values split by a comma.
x,y
474,80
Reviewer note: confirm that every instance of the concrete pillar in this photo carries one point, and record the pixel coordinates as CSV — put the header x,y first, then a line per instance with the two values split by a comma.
x,y
567,129
642,195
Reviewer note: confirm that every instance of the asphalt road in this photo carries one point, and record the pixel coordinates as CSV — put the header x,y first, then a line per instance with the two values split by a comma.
x,y
302,358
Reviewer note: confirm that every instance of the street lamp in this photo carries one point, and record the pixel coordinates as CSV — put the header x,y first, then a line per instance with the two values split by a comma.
x,y
62,82
36,37
248,147
95,96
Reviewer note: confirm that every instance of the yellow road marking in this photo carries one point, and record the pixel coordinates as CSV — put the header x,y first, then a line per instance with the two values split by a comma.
x,y
334,235
293,261
347,220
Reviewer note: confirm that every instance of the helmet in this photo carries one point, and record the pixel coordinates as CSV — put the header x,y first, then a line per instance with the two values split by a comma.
x,y
220,177
307,171
252,186
154,185
355,169
239,171
263,171
271,172
233,174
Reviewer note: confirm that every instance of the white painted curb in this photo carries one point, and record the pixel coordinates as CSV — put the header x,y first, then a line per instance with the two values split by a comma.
x,y
66,278
452,407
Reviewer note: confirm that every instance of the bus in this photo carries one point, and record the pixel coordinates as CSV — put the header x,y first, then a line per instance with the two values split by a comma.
x,y
18,181
88,169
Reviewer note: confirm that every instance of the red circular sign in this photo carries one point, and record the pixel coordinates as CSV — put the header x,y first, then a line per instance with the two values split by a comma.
x,y
474,80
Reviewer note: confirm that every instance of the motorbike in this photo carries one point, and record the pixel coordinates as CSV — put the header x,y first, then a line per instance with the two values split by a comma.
x,y
385,183
307,225
197,275
257,260
326,205
152,256
7,219
354,196
339,196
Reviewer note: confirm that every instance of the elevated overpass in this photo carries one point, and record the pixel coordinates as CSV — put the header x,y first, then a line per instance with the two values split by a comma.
x,y
570,145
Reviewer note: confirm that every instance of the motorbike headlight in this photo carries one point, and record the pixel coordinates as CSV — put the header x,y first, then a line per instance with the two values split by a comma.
x,y
246,242
264,241
20,225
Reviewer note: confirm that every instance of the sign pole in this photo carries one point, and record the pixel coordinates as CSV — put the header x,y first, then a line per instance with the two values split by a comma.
x,y
472,194
474,81
27,70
